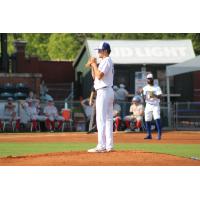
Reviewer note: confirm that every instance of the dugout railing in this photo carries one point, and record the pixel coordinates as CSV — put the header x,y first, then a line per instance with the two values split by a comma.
x,y
187,116
125,106
76,108
184,115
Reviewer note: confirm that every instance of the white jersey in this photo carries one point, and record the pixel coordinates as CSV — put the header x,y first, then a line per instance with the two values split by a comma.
x,y
9,110
51,111
105,66
148,90
31,111
116,109
137,110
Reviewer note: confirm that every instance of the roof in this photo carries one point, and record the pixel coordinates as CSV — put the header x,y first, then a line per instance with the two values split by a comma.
x,y
184,67
144,51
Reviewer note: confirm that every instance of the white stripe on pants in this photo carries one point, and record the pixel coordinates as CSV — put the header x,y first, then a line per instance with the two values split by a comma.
x,y
104,117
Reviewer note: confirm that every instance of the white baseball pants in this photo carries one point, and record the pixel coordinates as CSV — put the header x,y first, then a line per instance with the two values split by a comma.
x,y
151,111
104,117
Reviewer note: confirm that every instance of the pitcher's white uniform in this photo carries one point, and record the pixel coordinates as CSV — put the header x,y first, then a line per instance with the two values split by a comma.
x,y
104,104
152,104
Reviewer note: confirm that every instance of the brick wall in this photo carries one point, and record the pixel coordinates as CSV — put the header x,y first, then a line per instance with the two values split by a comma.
x,y
52,71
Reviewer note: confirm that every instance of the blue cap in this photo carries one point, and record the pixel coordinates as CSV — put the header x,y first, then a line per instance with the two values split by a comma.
x,y
104,46
136,98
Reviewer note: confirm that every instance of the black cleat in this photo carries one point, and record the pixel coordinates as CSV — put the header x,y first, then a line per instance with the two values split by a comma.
x,y
148,138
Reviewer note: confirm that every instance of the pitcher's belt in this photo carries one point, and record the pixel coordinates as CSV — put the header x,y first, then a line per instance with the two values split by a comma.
x,y
103,88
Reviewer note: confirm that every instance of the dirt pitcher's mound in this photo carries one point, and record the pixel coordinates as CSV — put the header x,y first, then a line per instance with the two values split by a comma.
x,y
117,158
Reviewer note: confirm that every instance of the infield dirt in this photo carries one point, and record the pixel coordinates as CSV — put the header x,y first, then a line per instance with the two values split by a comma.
x,y
116,158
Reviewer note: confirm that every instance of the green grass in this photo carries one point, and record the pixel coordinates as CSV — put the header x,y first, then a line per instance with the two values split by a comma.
x,y
19,149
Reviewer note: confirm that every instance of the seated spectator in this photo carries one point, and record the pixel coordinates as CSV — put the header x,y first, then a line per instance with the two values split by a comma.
x,y
34,98
32,113
116,116
137,113
52,115
10,113
122,93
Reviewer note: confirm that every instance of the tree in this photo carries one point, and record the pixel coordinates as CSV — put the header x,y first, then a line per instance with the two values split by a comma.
x,y
195,37
36,43
65,46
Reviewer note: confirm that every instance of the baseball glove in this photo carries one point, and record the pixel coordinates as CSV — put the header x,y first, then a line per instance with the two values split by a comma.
x,y
90,61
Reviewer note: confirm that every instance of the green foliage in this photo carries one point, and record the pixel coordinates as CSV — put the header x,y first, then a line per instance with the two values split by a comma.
x,y
62,46
37,44
65,46
195,37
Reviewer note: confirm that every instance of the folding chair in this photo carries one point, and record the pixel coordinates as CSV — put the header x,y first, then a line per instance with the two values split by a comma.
x,y
9,123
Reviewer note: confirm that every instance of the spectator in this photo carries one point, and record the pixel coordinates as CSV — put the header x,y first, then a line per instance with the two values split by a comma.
x,y
30,95
87,108
46,97
10,113
32,113
115,88
122,93
35,99
51,113
137,112
92,102
116,115
43,89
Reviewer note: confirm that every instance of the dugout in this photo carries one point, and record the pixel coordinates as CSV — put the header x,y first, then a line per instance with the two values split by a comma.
x,y
133,56
191,66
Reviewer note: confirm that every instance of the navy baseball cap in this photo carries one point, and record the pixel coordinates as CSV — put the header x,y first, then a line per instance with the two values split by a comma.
x,y
104,46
